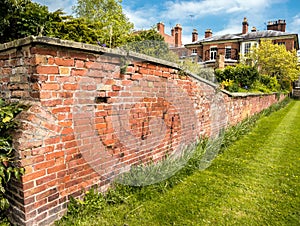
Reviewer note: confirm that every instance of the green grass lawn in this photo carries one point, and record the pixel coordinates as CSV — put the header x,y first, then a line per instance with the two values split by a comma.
x,y
255,181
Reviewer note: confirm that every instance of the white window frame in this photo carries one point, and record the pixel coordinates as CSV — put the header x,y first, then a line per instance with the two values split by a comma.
x,y
213,51
194,51
228,48
246,47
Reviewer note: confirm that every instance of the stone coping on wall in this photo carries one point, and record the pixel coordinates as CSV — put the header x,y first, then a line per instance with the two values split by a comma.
x,y
83,47
96,49
116,51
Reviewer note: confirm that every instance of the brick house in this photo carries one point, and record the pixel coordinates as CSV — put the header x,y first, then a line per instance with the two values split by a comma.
x,y
232,46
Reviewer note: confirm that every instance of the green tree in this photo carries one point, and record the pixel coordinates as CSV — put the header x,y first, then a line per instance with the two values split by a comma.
x,y
107,18
75,29
151,43
275,61
240,76
21,18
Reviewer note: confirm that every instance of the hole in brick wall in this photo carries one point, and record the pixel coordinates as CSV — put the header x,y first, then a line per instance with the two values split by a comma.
x,y
99,100
33,79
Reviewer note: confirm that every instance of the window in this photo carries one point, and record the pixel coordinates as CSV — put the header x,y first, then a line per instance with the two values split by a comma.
x,y
281,43
213,53
194,51
247,48
228,52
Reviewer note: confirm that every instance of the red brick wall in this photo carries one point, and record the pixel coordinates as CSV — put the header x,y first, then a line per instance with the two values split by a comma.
x,y
289,43
235,48
94,112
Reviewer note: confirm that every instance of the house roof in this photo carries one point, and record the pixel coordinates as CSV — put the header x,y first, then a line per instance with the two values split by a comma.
x,y
264,34
241,37
221,38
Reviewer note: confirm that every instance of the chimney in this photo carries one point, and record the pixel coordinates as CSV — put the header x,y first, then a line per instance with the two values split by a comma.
x,y
178,35
253,29
161,28
172,32
279,25
208,33
245,26
194,35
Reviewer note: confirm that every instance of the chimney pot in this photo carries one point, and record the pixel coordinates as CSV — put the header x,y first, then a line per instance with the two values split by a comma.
x,y
279,25
253,29
161,28
178,35
245,26
208,33
194,35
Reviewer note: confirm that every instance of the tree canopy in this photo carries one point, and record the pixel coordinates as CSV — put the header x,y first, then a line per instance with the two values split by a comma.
x,y
101,22
21,18
151,43
275,61
106,17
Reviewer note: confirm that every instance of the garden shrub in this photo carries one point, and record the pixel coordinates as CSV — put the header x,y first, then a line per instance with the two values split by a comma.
x,y
246,78
242,75
8,166
270,82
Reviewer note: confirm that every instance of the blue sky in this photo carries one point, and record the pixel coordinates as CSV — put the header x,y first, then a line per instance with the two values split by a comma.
x,y
222,16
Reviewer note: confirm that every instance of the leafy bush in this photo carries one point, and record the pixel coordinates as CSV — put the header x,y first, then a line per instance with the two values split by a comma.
x,y
270,82
243,75
230,85
8,168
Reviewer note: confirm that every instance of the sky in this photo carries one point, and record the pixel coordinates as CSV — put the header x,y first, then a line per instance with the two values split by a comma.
x,y
221,16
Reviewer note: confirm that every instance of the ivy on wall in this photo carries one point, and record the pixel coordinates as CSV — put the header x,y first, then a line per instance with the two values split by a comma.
x,y
8,166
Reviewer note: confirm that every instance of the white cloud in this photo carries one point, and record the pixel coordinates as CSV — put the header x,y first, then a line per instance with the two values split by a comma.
x,y
176,9
230,29
142,18
295,24
66,6
186,39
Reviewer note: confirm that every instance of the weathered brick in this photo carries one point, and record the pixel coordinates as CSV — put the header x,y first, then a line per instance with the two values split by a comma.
x,y
64,70
64,62
47,70
136,76
51,103
78,72
56,169
33,176
43,51
70,86
50,86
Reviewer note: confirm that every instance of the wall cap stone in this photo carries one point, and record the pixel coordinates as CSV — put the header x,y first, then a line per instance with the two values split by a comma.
x,y
83,46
